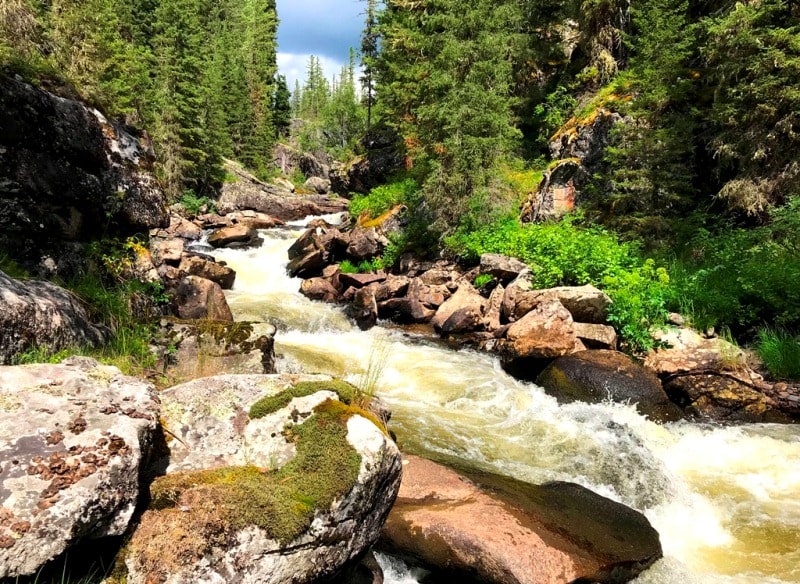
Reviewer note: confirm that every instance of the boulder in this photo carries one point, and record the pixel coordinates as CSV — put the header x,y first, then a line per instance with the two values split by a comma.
x,y
67,174
276,202
597,376
493,308
194,349
193,265
431,296
238,233
363,308
318,184
308,265
74,438
406,310
384,156
710,378
40,315
361,280
288,160
269,480
392,287
463,320
466,298
364,244
502,267
438,276
178,227
284,183
167,251
515,533
196,297
585,303
319,289
545,332
721,396
596,336
253,219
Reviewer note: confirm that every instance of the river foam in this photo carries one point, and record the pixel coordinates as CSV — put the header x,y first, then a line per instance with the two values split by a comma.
x,y
724,499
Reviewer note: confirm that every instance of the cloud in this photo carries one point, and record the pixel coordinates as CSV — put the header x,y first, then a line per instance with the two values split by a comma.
x,y
294,66
326,28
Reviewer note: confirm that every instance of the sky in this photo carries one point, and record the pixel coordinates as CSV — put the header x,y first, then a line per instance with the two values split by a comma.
x,y
325,28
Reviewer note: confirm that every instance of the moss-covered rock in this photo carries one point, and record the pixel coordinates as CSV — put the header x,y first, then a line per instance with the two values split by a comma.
x,y
276,478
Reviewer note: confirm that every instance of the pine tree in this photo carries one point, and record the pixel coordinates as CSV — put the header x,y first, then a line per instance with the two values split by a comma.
x,y
282,108
369,57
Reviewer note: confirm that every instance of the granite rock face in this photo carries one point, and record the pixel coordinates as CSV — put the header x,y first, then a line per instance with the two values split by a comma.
x,y
37,314
67,174
73,439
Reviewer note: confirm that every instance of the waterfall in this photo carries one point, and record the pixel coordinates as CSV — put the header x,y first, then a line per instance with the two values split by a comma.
x,y
725,500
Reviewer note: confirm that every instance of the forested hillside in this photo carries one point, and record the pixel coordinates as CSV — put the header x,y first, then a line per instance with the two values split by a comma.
x,y
199,75
672,124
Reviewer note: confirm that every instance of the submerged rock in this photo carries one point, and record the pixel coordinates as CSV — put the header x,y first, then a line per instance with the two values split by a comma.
x,y
36,314
271,479
513,532
595,376
73,439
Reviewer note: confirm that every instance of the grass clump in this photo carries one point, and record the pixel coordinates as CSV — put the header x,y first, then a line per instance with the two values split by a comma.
x,y
272,403
780,352
224,501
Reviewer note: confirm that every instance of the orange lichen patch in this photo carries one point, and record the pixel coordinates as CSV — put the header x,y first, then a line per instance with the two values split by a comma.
x,y
364,219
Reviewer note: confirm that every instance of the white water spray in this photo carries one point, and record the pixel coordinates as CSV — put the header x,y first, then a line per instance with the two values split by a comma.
x,y
725,500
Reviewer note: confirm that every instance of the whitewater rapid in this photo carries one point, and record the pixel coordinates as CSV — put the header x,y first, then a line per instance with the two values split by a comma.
x,y
725,500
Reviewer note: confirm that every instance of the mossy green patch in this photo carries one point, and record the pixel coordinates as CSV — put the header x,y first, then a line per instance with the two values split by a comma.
x,y
272,403
281,502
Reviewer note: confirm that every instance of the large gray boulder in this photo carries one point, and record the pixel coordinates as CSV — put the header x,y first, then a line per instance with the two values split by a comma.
x,y
69,174
73,438
287,489
276,202
513,532
36,314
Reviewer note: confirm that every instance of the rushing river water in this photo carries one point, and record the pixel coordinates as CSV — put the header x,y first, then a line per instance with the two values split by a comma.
x,y
725,500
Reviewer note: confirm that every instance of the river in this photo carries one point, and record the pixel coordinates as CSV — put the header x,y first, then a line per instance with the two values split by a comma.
x,y
725,500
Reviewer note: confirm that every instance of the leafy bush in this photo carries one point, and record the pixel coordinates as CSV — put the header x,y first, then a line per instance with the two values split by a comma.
x,y
192,203
742,278
780,352
381,199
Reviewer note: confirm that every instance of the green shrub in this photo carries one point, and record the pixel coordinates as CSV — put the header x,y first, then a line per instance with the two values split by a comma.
x,y
741,278
11,268
780,352
192,203
381,199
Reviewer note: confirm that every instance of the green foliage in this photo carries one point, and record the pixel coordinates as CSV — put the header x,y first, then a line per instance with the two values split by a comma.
x,y
482,279
780,352
640,297
192,203
272,403
741,278
554,111
364,267
11,268
383,198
